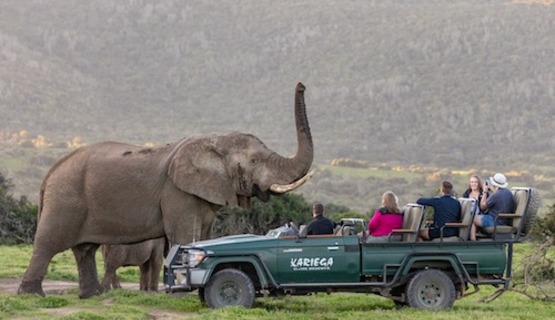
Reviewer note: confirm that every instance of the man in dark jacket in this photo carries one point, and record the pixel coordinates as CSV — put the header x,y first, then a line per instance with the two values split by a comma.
x,y
446,209
319,223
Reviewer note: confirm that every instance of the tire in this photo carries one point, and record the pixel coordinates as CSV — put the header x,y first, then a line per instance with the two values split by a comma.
x,y
201,296
399,304
531,211
229,287
431,289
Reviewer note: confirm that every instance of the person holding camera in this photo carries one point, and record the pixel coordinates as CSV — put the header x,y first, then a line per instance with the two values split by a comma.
x,y
474,191
499,201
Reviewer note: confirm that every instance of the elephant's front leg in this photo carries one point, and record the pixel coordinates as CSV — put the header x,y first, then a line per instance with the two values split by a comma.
x,y
86,265
186,218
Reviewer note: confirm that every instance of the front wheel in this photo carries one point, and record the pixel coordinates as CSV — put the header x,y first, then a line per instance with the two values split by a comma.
x,y
229,287
201,296
431,289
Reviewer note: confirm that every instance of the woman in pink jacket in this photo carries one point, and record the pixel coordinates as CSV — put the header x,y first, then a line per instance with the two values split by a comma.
x,y
385,219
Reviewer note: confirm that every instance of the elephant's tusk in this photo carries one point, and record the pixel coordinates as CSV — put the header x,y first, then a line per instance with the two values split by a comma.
x,y
279,188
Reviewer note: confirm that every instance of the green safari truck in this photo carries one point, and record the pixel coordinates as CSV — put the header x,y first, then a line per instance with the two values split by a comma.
x,y
234,270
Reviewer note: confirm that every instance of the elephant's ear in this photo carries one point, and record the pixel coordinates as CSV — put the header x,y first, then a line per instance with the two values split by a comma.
x,y
197,168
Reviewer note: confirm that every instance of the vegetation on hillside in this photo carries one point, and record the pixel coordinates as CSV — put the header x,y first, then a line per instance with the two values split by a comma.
x,y
465,85
450,83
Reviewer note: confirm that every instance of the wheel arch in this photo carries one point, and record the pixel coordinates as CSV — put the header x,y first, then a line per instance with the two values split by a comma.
x,y
448,263
251,266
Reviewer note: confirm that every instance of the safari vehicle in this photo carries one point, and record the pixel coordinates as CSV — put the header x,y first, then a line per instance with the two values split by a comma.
x,y
234,270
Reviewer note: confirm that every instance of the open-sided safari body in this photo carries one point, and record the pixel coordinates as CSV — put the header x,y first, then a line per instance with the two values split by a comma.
x,y
234,270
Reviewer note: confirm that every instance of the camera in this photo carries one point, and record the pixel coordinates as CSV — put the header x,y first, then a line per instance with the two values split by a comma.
x,y
488,185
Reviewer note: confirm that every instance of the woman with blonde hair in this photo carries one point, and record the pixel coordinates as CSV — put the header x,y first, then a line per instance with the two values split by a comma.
x,y
385,219
475,191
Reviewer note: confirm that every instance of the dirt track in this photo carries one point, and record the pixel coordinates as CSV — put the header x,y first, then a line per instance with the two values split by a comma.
x,y
50,286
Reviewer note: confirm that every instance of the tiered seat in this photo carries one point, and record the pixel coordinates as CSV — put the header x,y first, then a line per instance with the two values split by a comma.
x,y
501,232
467,215
413,214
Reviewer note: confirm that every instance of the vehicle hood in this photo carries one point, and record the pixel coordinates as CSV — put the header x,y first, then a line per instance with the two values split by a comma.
x,y
235,242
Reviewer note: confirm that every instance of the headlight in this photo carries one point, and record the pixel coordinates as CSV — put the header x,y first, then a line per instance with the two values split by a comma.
x,y
194,258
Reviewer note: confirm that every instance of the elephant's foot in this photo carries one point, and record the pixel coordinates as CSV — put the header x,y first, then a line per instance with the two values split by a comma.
x,y
106,287
85,293
31,287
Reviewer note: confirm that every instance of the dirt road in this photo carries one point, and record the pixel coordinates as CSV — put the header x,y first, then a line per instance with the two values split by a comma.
x,y
51,286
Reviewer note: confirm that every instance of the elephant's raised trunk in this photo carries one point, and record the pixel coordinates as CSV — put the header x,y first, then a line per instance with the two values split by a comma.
x,y
297,166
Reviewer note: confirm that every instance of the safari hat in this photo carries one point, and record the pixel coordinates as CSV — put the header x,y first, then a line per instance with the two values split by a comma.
x,y
499,180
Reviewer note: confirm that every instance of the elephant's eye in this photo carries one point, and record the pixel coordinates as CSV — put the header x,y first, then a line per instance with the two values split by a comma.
x,y
254,161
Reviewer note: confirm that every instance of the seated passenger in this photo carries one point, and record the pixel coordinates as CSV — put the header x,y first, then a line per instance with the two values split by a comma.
x,y
446,210
500,201
319,223
475,191
385,219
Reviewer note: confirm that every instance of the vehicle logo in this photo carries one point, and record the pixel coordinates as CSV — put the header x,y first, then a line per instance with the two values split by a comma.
x,y
311,264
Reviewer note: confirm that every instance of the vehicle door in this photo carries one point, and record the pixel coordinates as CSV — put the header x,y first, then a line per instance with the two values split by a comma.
x,y
318,259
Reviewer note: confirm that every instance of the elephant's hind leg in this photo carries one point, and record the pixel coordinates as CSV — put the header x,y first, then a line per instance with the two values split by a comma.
x,y
86,265
145,276
32,279
110,279
155,268
116,284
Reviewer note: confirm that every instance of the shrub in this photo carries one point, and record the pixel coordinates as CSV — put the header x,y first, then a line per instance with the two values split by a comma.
x,y
262,217
544,226
18,218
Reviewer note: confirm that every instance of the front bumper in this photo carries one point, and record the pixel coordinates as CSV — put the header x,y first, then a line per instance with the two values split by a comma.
x,y
178,276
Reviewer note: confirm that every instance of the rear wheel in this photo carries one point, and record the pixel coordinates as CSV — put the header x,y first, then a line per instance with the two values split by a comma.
x,y
229,287
431,289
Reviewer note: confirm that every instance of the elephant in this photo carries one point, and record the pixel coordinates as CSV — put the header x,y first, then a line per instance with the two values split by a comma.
x,y
148,255
117,193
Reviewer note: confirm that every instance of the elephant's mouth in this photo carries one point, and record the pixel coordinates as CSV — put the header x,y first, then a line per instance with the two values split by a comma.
x,y
262,195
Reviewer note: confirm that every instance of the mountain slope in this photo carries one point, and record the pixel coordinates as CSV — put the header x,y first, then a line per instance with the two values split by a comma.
x,y
454,83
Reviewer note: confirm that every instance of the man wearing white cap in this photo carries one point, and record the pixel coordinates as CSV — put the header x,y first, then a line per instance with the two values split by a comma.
x,y
500,201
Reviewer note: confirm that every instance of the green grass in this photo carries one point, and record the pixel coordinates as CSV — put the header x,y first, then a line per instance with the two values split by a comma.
x,y
62,266
127,304
134,304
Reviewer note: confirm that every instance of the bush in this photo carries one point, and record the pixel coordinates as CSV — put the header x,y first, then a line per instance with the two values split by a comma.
x,y
262,217
544,227
18,218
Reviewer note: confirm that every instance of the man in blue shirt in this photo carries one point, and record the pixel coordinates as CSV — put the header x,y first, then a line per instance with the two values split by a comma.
x,y
500,201
446,209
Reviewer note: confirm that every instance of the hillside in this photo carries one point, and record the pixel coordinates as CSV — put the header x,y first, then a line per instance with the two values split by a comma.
x,y
455,84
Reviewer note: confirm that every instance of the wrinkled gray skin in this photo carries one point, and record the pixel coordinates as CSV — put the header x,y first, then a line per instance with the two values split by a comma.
x,y
115,193
148,255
